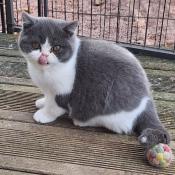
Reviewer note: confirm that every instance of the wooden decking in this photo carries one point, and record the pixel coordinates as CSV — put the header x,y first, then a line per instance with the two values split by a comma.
x,y
28,148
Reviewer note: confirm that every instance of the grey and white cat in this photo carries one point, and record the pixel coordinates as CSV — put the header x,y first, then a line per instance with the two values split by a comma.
x,y
96,82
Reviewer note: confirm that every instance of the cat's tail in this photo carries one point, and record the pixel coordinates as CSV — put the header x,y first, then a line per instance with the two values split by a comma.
x,y
149,128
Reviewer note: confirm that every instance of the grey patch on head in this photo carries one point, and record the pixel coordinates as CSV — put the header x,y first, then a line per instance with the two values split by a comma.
x,y
70,28
28,20
58,32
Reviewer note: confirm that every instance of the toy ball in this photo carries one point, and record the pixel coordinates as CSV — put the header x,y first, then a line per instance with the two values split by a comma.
x,y
160,155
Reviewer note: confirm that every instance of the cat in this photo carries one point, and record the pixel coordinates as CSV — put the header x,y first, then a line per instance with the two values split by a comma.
x,y
96,82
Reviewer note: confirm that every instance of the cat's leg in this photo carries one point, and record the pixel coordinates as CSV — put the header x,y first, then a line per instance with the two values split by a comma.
x,y
50,112
149,128
40,102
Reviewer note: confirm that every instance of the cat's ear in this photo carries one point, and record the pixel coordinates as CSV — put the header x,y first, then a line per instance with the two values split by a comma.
x,y
70,28
28,20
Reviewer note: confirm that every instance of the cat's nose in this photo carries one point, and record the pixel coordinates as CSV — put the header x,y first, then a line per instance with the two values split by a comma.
x,y
43,59
44,54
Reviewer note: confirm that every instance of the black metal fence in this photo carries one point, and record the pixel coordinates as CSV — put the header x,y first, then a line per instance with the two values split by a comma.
x,y
145,24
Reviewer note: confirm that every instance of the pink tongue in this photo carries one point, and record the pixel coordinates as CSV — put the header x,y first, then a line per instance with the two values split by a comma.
x,y
42,60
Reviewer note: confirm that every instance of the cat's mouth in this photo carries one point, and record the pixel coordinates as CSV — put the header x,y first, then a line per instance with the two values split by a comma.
x,y
43,63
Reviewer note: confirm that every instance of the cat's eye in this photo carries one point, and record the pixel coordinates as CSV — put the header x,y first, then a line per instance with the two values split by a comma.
x,y
55,49
35,45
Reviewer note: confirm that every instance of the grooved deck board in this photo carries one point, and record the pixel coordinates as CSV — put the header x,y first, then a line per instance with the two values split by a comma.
x,y
47,143
15,81
44,167
23,88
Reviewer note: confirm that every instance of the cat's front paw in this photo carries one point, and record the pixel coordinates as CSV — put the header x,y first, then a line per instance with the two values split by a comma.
x,y
40,103
42,117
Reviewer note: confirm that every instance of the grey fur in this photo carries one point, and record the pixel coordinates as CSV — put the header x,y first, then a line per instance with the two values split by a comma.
x,y
108,78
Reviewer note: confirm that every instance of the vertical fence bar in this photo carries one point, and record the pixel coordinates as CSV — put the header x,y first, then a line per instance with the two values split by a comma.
x,y
100,20
9,16
162,23
56,5
2,16
45,8
128,20
78,14
73,15
157,23
65,10
82,19
28,6
16,19
138,20
104,22
52,9
147,18
132,21
91,21
167,22
118,21
109,21
39,7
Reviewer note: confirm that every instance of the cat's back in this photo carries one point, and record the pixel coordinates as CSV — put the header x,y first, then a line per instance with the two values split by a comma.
x,y
99,49
98,55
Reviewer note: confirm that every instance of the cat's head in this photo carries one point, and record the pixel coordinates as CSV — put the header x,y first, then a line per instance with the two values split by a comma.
x,y
47,42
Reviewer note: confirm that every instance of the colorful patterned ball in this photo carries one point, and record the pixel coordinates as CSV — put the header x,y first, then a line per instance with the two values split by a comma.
x,y
160,155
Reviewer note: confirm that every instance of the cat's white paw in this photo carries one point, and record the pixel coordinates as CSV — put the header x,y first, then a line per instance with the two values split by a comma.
x,y
78,123
40,103
42,117
143,139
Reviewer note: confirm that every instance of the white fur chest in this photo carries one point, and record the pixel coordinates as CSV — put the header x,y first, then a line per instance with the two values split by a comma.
x,y
57,79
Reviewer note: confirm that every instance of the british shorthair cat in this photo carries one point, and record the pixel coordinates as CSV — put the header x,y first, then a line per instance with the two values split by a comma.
x,y
98,83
